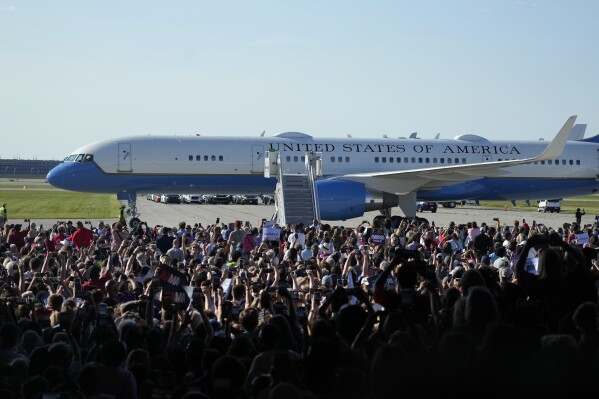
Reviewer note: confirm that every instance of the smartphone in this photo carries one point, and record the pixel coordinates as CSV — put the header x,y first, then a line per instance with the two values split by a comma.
x,y
63,318
81,313
156,281
78,285
215,282
317,295
301,312
103,310
295,295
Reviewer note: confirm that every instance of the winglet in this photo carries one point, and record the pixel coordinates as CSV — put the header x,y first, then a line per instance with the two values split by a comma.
x,y
557,145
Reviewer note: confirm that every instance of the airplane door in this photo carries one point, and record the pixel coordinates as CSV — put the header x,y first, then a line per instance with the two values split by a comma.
x,y
257,159
125,157
487,158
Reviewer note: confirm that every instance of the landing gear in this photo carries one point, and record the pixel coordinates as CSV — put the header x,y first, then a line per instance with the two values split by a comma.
x,y
129,211
133,214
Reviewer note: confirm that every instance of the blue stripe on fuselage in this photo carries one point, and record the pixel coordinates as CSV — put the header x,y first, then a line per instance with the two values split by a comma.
x,y
87,177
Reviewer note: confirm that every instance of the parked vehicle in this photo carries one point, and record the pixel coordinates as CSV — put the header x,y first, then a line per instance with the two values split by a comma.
x,y
170,199
193,199
448,204
247,199
268,199
426,206
219,199
554,205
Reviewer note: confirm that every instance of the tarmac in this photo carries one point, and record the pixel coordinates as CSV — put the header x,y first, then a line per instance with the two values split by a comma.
x,y
171,214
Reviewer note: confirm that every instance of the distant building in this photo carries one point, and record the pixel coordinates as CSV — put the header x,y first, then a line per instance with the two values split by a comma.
x,y
25,167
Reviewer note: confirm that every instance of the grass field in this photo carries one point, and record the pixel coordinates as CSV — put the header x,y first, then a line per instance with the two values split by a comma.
x,y
39,200
58,204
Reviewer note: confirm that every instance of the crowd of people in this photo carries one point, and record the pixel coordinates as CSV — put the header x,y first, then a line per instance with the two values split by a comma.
x,y
391,307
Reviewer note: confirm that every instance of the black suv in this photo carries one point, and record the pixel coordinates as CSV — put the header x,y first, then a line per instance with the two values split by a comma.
x,y
219,199
426,206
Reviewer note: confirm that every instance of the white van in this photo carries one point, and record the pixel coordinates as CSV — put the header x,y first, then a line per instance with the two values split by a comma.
x,y
554,205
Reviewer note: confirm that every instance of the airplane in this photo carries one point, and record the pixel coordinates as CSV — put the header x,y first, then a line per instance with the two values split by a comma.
x,y
358,174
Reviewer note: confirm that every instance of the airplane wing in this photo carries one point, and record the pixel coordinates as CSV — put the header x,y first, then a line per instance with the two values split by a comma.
x,y
404,182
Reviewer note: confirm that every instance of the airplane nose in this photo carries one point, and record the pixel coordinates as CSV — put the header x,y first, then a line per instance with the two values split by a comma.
x,y
55,176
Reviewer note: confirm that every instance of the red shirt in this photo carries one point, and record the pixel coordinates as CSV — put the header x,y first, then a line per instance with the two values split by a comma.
x,y
82,237
17,238
55,241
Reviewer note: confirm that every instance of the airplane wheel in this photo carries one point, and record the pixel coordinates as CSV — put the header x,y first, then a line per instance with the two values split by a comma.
x,y
134,222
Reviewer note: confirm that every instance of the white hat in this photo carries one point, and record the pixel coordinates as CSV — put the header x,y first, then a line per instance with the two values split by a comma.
x,y
66,242
501,262
326,247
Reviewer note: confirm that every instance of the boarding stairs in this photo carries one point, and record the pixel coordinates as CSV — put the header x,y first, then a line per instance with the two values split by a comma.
x,y
296,198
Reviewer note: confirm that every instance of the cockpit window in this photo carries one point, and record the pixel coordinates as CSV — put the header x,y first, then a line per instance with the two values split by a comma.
x,y
88,158
79,158
71,158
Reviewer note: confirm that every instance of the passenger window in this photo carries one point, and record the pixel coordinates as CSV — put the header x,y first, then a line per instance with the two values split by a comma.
x,y
405,160
191,157
205,157
390,159
220,158
419,160
563,161
376,159
542,162
578,162
346,159
295,159
332,159
213,158
198,157
339,159
398,159
448,160
384,159
288,158
427,160
549,162
413,160
571,162
434,160
442,160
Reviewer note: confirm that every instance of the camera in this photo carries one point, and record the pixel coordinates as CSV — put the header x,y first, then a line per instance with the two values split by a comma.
x,y
496,219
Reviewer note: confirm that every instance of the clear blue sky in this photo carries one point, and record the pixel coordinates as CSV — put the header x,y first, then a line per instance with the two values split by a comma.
x,y
72,72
